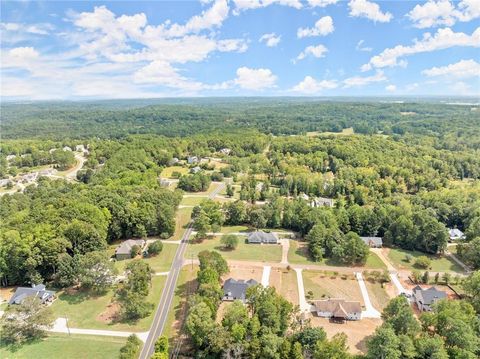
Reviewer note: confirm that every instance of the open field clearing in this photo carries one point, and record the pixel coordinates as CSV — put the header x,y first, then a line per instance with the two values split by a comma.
x,y
345,131
243,252
285,282
159,263
192,201
182,217
357,331
67,346
244,272
168,171
438,263
326,285
379,296
86,311
298,254
234,229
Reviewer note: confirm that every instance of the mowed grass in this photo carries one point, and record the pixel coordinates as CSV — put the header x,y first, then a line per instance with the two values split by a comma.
x,y
438,263
159,263
83,310
192,201
65,346
378,295
182,218
298,254
167,172
326,285
244,251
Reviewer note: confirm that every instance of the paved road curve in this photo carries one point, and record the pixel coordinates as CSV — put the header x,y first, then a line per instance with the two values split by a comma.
x,y
161,314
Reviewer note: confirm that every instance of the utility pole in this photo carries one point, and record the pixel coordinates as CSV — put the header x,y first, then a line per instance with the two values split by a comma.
x,y
68,328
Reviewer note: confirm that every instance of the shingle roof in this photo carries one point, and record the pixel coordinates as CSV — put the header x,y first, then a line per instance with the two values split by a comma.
x,y
237,288
455,233
38,291
340,308
430,295
378,241
126,246
261,236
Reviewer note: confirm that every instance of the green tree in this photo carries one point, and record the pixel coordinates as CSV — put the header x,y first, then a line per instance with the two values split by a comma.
x,y
399,315
336,348
471,285
96,271
384,344
229,241
423,262
155,247
131,348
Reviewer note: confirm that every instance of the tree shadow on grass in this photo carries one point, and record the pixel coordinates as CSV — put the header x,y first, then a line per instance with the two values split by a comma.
x,y
77,296
14,347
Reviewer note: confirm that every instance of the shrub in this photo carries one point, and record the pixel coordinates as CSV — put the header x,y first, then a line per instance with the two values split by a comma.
x,y
155,247
422,262
131,348
135,251
229,241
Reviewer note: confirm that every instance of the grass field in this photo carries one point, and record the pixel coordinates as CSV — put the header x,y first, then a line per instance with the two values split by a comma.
x,y
64,346
85,311
182,218
159,263
244,251
378,295
439,263
298,254
234,229
327,285
167,172
285,282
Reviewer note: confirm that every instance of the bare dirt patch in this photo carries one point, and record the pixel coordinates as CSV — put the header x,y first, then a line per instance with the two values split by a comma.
x,y
327,285
357,331
6,293
244,272
285,282
110,314
221,311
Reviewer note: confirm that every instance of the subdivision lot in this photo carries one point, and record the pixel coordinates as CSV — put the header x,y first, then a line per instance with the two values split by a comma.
x,y
357,331
88,311
244,251
379,296
159,263
182,218
244,272
167,172
438,263
285,282
298,254
328,284
65,346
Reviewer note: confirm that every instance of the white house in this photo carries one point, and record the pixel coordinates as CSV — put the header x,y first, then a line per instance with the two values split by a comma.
x,y
321,202
373,242
225,151
338,308
454,234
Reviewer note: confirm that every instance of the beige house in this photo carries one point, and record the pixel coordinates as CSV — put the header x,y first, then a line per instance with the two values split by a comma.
x,y
338,308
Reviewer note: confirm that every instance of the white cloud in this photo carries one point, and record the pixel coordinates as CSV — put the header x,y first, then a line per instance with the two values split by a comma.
x,y
316,51
442,39
241,5
255,79
360,46
321,3
369,10
358,81
323,26
311,86
271,40
443,13
391,88
461,69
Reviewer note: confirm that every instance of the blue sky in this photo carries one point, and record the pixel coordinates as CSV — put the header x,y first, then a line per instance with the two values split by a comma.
x,y
131,49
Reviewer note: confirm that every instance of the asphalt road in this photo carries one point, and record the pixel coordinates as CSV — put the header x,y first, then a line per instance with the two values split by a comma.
x,y
161,314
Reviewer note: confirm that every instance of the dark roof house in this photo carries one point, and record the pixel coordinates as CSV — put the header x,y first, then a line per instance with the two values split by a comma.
x,y
262,237
124,250
426,297
37,291
237,289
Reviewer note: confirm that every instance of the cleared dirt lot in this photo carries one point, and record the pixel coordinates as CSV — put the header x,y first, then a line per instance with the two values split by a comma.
x,y
244,272
379,296
328,285
285,282
356,331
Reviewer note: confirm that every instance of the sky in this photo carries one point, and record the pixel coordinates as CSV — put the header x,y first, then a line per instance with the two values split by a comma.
x,y
147,49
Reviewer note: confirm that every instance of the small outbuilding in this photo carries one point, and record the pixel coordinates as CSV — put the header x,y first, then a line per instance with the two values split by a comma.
x,y
237,289
124,250
192,160
36,290
261,237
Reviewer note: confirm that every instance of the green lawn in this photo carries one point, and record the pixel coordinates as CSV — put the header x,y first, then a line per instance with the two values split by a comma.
x,y
244,251
377,294
298,254
167,172
192,201
182,218
159,263
84,310
64,346
234,229
439,263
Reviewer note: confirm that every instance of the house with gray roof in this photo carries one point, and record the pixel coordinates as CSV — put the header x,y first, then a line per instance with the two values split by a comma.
x,y
195,170
192,159
124,250
237,289
373,242
38,291
454,234
425,298
262,237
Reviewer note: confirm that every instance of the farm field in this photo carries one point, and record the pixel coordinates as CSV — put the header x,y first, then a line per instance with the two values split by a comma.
x,y
298,254
84,310
326,285
285,282
244,251
65,346
159,263
439,264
